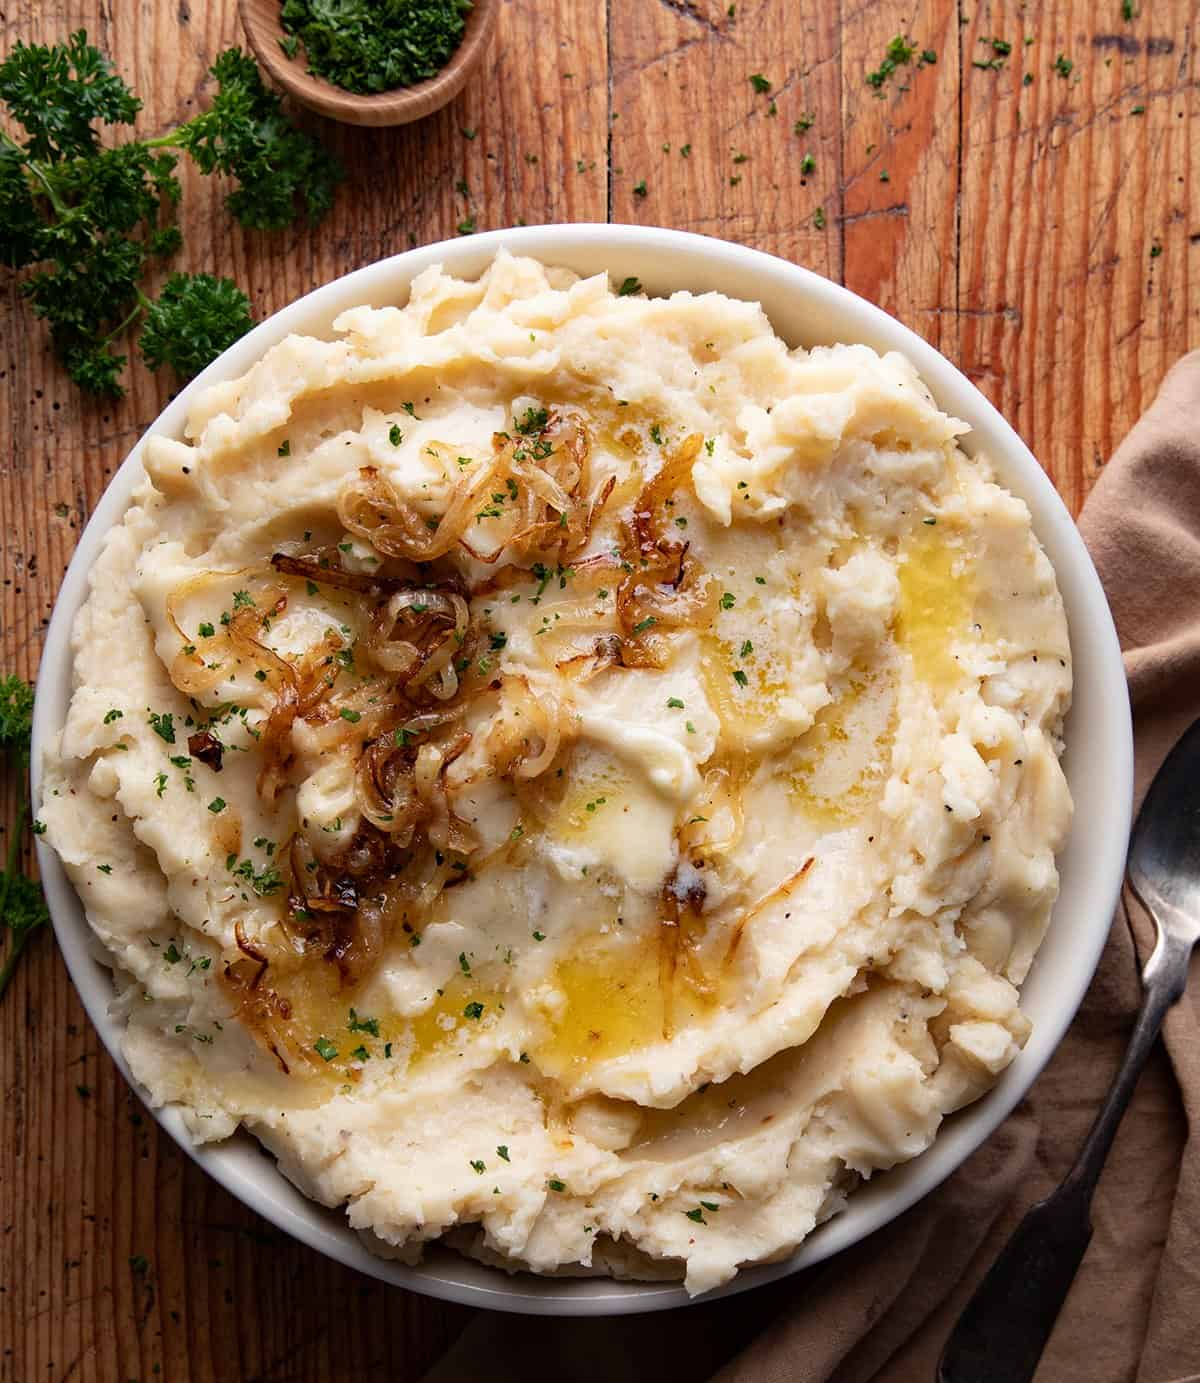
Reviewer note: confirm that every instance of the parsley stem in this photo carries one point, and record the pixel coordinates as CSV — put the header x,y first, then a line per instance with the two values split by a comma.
x,y
10,961
37,171
20,937
143,302
14,856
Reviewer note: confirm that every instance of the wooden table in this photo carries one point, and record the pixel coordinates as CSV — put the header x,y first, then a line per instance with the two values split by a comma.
x,y
1039,229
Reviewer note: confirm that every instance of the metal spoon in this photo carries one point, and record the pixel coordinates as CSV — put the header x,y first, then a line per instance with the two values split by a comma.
x,y
1000,1335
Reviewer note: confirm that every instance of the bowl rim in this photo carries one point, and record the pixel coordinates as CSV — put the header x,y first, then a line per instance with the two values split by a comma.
x,y
1103,811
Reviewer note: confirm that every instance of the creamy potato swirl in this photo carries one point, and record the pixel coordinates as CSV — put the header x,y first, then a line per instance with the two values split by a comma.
x,y
571,775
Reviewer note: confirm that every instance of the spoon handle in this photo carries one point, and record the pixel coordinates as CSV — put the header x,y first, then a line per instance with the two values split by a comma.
x,y
1000,1335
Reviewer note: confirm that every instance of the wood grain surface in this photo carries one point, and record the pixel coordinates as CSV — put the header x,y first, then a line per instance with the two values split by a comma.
x,y
1041,229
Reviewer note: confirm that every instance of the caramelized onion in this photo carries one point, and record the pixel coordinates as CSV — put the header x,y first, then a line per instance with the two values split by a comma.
x,y
318,567
527,732
533,492
189,673
370,508
663,589
384,789
444,828
206,747
582,667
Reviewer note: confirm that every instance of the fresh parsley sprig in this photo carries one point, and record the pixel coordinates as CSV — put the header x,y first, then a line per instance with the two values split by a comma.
x,y
94,218
22,907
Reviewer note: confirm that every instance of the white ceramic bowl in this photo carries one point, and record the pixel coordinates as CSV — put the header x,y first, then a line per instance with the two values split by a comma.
x,y
805,309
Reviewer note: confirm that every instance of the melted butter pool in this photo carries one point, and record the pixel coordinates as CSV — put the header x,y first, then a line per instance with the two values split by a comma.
x,y
464,1008
838,768
937,605
615,1004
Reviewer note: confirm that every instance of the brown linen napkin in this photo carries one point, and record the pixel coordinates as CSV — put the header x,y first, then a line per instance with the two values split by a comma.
x,y
882,1310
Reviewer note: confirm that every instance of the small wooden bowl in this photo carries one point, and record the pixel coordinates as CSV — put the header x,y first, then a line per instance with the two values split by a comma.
x,y
260,19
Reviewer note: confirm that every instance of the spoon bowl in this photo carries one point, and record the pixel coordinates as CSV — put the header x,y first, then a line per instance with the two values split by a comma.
x,y
1164,854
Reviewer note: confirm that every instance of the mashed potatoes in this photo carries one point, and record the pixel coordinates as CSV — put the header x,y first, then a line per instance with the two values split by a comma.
x,y
568,773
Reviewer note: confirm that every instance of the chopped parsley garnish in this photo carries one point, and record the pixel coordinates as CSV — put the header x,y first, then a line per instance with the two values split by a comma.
x,y
372,48
112,715
535,420
352,716
356,1024
629,287
805,123
502,1152
555,1185
410,408
325,1049
160,784
163,726
740,678
216,805
395,436
808,164
172,955
1063,66
640,189
104,868
479,1165
819,218
285,447
746,649
728,600
242,599
643,624
264,882
206,631
360,1053
473,1010
696,1215
760,83
463,963
539,936
674,703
